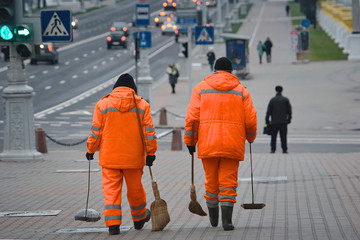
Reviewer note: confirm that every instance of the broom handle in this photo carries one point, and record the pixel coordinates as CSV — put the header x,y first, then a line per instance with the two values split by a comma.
x,y
192,155
142,134
252,181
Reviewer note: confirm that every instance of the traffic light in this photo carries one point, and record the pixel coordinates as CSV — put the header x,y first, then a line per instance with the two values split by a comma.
x,y
24,40
7,20
185,49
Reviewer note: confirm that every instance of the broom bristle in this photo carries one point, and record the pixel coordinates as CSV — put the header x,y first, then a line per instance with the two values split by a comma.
x,y
91,215
195,207
159,215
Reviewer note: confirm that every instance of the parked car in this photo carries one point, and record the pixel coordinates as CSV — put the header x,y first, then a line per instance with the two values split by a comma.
x,y
47,53
120,26
163,16
116,38
169,27
210,3
74,23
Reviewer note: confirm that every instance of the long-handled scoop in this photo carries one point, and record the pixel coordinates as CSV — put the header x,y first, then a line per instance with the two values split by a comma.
x,y
87,215
252,205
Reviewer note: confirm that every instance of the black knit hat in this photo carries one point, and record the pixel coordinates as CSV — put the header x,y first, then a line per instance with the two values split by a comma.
x,y
125,80
278,89
223,64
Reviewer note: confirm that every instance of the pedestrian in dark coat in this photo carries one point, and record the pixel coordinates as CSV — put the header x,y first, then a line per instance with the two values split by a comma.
x,y
268,45
173,75
287,9
278,116
211,58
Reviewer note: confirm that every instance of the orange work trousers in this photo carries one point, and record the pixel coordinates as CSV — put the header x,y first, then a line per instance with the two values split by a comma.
x,y
112,182
221,181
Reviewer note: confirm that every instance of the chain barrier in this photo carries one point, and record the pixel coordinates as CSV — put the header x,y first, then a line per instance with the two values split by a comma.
x,y
65,144
82,141
176,115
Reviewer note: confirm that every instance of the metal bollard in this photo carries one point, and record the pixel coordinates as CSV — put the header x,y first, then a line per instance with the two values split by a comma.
x,y
41,140
163,118
176,144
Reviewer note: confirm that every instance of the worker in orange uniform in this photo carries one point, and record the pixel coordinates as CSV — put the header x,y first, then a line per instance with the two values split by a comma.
x,y
221,116
116,133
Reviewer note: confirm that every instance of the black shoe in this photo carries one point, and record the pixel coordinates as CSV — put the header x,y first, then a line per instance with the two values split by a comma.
x,y
114,230
140,224
272,151
214,216
285,151
226,217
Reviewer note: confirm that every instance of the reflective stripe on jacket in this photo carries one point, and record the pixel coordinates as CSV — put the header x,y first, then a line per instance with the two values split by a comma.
x,y
115,130
223,115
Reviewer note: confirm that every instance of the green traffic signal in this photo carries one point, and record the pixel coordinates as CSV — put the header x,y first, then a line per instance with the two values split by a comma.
x,y
6,33
23,32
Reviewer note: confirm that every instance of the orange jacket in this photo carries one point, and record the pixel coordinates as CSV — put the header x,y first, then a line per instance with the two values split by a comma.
x,y
223,115
115,130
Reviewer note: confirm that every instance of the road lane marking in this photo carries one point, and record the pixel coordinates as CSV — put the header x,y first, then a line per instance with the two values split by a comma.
x,y
99,87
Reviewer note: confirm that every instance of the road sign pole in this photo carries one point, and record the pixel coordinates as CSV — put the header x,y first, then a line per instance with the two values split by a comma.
x,y
19,131
188,63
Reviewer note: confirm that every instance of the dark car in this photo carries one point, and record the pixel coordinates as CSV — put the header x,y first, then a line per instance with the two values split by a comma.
x,y
117,38
120,26
47,53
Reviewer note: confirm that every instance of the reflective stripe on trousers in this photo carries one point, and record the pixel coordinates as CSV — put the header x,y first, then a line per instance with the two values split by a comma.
x,y
112,180
221,181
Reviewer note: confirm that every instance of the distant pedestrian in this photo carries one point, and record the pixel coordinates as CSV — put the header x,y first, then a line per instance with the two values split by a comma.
x,y
268,45
211,58
173,73
278,116
287,9
115,132
260,50
220,118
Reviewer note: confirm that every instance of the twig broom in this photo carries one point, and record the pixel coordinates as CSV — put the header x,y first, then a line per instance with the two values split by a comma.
x,y
159,214
194,205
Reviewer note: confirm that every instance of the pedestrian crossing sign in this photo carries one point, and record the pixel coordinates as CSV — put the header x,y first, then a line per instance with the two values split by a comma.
x,y
204,35
56,26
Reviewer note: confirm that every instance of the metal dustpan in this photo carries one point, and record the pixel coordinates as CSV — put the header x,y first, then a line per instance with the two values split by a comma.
x,y
88,215
252,205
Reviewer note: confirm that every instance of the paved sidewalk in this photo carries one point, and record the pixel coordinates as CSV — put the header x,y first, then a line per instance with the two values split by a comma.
x,y
307,195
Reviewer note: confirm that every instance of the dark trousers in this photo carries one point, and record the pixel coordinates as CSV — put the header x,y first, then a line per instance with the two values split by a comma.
x,y
275,128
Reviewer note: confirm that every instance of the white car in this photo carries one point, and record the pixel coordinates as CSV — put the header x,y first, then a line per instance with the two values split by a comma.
x,y
169,27
163,17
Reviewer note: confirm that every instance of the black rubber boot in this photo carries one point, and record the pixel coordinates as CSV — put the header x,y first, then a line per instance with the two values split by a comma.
x,y
114,230
226,217
214,216
140,224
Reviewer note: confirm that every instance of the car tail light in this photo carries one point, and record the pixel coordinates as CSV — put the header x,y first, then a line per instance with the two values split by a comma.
x,y
172,15
169,1
207,25
174,4
176,32
108,38
174,27
168,19
76,20
164,4
125,29
163,27
112,29
123,38
50,48
162,14
198,2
